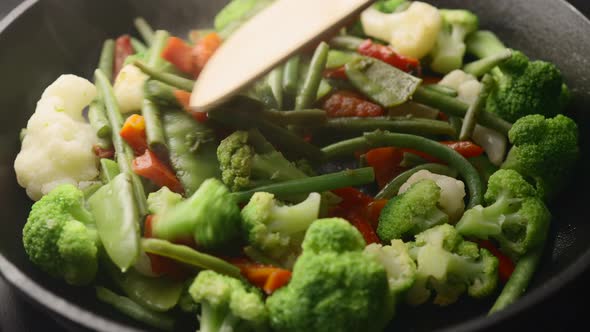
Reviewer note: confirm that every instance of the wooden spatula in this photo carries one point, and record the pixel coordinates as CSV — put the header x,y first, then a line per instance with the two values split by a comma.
x,y
271,37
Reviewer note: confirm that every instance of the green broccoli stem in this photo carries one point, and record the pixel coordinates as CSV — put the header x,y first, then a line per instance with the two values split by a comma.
x,y
392,188
145,30
190,256
346,178
433,148
170,79
455,107
519,280
211,318
483,66
123,152
309,91
132,309
393,124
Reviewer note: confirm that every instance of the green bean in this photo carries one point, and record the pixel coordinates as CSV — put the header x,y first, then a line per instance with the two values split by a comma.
x,y
337,58
456,122
171,79
455,107
308,93
410,160
519,280
189,256
123,153
404,125
291,78
130,308
320,183
98,119
117,220
382,83
469,121
145,30
433,148
484,167
303,118
161,94
107,58
109,169
275,81
392,188
138,46
442,89
483,66
151,113
157,294
193,149
349,43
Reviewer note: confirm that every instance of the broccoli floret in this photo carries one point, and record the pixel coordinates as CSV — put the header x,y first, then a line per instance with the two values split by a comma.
x,y
60,236
248,161
450,47
277,230
449,265
400,268
522,87
228,304
334,286
412,212
544,150
162,200
515,216
211,216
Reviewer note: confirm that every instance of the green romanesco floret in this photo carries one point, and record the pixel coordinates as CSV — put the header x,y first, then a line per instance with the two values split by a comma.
x,y
523,87
400,268
210,216
247,161
162,200
334,286
60,236
450,47
450,266
412,212
277,230
544,150
515,216
228,304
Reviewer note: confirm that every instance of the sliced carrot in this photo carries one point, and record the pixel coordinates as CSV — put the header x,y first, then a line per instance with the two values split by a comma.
x,y
203,51
179,53
133,132
276,280
150,167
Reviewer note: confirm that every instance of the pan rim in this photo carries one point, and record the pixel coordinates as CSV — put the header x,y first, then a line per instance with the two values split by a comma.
x,y
55,304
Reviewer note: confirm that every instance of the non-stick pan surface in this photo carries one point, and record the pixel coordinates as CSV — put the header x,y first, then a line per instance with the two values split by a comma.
x,y
42,39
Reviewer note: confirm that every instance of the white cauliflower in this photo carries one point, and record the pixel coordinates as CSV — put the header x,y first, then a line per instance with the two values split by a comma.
x,y
468,88
57,147
129,88
412,33
452,192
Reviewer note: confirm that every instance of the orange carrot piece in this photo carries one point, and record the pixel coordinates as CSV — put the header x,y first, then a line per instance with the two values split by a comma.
x,y
203,51
179,53
150,167
276,280
133,132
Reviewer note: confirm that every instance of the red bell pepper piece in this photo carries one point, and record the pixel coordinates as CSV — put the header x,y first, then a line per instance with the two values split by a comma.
x,y
108,153
150,167
269,278
355,208
123,49
337,73
163,265
374,211
385,162
388,55
505,264
467,149
350,104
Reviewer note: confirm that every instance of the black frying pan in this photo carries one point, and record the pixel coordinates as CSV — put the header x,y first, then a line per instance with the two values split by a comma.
x,y
41,40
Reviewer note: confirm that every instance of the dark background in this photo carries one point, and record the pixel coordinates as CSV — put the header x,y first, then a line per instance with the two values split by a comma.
x,y
563,312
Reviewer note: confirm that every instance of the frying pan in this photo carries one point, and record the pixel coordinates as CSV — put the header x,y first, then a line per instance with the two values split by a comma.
x,y
42,39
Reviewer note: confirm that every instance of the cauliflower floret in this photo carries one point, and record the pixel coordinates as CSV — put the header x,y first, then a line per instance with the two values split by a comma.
x,y
412,33
468,88
452,192
129,88
57,147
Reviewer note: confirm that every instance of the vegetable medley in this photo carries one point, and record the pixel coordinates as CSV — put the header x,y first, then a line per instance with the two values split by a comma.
x,y
407,160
